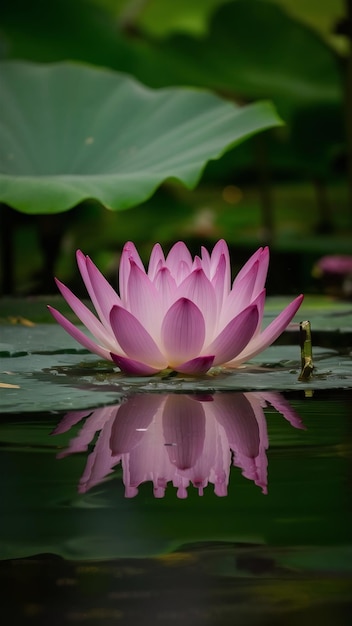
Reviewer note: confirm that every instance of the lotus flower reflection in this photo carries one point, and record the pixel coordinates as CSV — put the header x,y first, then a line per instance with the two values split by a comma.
x,y
180,314
177,439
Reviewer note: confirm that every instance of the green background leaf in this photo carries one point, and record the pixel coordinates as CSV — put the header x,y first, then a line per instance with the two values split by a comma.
x,y
254,49
72,132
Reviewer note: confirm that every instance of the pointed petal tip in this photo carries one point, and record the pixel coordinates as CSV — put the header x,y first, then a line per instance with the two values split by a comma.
x,y
130,249
61,287
235,336
80,256
265,338
78,335
293,307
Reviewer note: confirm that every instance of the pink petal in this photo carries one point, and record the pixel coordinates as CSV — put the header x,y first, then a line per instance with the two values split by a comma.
x,y
104,295
244,422
260,417
184,429
221,250
134,368
235,336
214,463
198,288
205,256
235,413
239,297
77,334
197,264
143,301
129,253
82,266
157,260
247,266
221,283
100,291
182,272
87,317
149,461
69,420
100,462
281,405
166,287
179,261
199,365
263,264
135,340
271,332
132,421
260,303
259,475
96,420
182,332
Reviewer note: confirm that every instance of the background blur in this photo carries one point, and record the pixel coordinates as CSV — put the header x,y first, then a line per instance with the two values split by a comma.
x,y
289,187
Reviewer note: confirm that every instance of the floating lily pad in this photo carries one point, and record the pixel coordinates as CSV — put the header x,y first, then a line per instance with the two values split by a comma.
x,y
71,132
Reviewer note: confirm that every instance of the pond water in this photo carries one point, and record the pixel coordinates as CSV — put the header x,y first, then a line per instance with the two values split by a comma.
x,y
207,508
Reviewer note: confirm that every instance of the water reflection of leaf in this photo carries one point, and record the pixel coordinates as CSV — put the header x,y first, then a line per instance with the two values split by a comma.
x,y
177,438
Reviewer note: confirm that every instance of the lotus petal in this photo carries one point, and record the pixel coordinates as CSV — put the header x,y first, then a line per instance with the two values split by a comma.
x,y
197,366
182,331
181,314
87,317
134,339
270,333
235,336
78,335
134,368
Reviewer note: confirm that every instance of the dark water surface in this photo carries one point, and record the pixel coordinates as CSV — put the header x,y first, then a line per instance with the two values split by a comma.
x,y
132,514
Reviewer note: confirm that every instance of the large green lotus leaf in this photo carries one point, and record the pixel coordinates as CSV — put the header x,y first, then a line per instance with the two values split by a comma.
x,y
72,132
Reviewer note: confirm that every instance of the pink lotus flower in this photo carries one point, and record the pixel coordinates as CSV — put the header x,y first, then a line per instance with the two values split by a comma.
x,y
339,264
177,438
181,314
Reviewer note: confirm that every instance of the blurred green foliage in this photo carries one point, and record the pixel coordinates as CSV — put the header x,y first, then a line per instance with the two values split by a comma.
x,y
244,49
293,52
